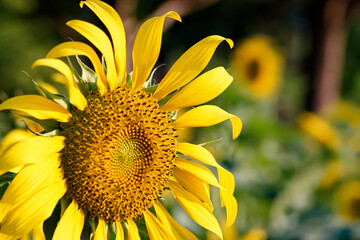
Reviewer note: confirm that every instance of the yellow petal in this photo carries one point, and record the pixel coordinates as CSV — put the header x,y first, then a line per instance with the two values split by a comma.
x,y
155,229
4,236
204,88
227,181
71,223
97,37
119,231
78,48
113,23
198,171
38,233
133,232
100,232
198,153
13,137
34,210
75,95
189,65
147,48
194,185
207,115
29,181
37,107
175,228
195,208
31,150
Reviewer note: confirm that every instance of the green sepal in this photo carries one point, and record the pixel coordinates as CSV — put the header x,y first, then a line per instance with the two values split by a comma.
x,y
78,79
103,63
87,75
58,98
5,180
129,79
152,88
48,124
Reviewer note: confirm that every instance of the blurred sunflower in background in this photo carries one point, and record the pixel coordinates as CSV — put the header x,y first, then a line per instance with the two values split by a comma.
x,y
258,66
110,149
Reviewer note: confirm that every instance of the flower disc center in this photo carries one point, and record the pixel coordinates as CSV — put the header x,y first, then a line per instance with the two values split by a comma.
x,y
118,154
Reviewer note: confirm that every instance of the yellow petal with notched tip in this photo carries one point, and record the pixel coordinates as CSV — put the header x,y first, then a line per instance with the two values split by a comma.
x,y
27,151
227,181
175,228
78,48
155,229
204,88
75,95
97,37
34,210
147,48
71,223
113,23
133,232
37,107
207,115
198,153
13,137
194,185
189,65
34,177
100,232
119,231
198,171
195,208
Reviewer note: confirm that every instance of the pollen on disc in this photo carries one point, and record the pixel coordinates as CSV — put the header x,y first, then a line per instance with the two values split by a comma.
x,y
119,153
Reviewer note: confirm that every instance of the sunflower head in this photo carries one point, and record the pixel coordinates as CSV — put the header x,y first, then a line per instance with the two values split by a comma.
x,y
110,147
347,200
258,65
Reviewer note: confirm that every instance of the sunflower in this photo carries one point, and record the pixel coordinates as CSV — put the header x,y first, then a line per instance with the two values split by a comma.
x,y
109,149
347,200
258,65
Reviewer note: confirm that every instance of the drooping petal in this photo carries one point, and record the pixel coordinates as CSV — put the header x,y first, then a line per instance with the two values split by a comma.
x,y
71,223
37,107
194,185
13,137
31,150
75,95
198,153
198,171
29,182
78,48
195,208
100,232
147,47
97,37
227,181
189,65
155,229
207,115
34,210
113,23
119,231
133,232
204,88
175,228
